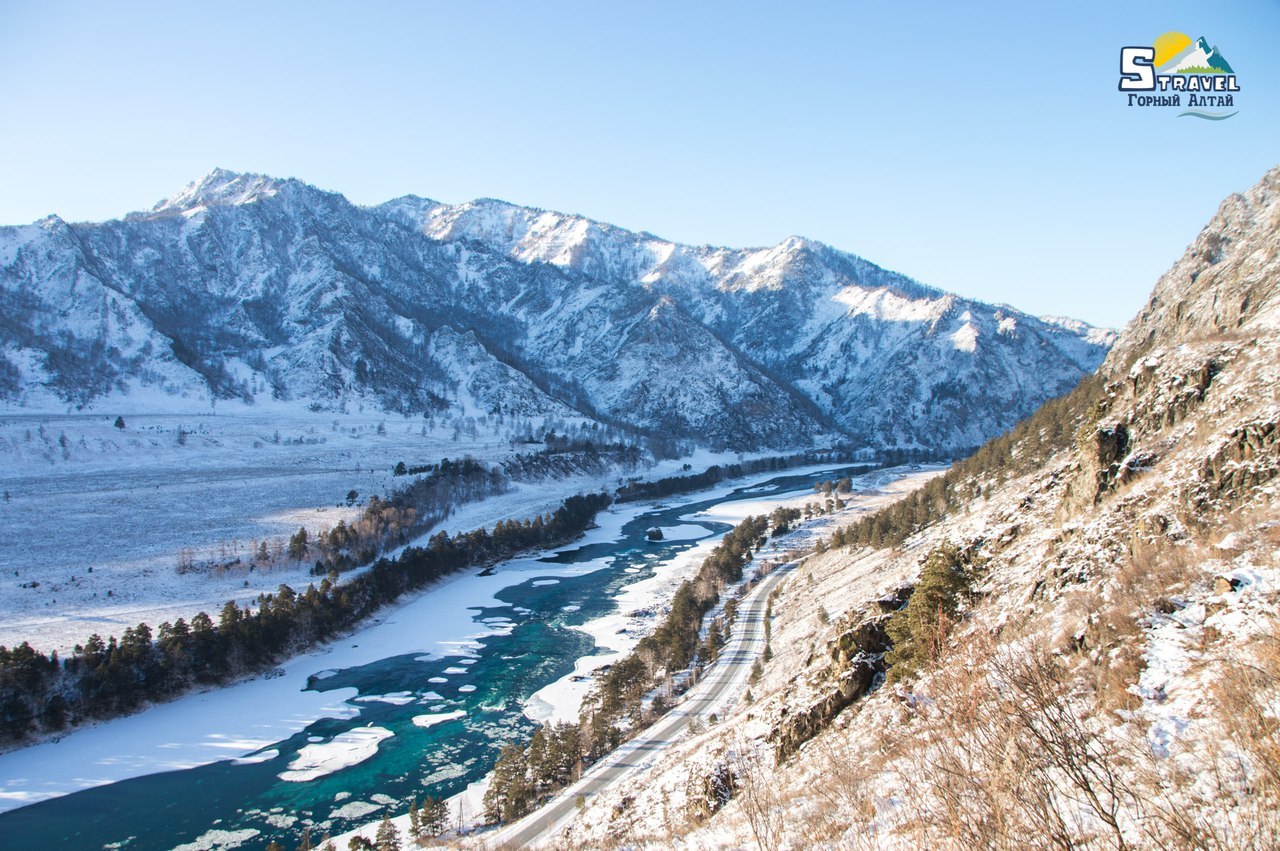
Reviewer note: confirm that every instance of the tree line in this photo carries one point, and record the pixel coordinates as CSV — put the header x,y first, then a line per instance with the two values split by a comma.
x,y
1055,426
104,678
385,522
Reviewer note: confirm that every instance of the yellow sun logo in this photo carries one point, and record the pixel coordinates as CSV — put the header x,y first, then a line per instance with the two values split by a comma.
x,y
1170,45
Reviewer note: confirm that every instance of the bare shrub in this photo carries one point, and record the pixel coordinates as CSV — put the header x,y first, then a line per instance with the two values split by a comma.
x,y
1154,573
757,792
844,801
1008,754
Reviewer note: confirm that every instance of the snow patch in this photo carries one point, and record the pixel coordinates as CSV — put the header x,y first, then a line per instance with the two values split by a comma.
x,y
254,759
345,750
399,698
354,810
437,718
217,840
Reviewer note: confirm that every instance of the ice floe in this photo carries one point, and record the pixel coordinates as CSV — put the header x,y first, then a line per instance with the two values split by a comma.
x,y
437,718
343,751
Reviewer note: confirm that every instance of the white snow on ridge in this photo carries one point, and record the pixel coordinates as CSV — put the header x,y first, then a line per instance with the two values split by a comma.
x,y
883,303
221,188
965,338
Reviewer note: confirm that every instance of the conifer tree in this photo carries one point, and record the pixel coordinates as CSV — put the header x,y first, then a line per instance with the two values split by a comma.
x,y
435,816
415,821
298,545
387,837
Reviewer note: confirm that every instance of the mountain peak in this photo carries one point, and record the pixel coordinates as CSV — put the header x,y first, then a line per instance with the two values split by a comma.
x,y
52,222
221,188
1225,284
796,242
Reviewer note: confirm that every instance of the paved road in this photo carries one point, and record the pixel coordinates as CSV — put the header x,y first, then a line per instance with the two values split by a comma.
x,y
717,692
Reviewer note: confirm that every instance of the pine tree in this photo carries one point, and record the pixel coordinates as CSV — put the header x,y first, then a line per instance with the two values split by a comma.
x,y
435,816
415,821
918,629
387,837
298,545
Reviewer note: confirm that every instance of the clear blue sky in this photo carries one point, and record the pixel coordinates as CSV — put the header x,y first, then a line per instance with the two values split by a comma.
x,y
982,148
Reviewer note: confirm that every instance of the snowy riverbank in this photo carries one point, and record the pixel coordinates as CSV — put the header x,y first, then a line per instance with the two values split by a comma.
x,y
560,700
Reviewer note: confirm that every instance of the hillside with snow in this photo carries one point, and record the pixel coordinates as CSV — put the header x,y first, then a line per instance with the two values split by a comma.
x,y
246,288
1072,639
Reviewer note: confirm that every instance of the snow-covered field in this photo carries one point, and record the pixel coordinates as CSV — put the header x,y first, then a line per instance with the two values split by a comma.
x,y
99,523
93,518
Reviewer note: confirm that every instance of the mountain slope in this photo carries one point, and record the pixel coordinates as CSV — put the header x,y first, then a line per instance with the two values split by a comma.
x,y
1090,651
888,358
250,287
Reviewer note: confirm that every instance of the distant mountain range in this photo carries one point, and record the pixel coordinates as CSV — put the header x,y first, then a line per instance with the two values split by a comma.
x,y
249,287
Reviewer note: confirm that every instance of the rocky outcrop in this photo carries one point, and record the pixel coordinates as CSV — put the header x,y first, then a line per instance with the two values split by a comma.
x,y
857,664
1225,285
1247,458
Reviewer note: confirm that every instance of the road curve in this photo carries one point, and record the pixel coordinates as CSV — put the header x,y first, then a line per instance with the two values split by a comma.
x,y
717,692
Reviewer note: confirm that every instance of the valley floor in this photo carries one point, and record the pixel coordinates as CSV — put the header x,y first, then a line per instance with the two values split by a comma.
x,y
94,519
243,721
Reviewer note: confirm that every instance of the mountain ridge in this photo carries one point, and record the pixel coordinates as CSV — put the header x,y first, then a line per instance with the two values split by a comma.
x,y
247,286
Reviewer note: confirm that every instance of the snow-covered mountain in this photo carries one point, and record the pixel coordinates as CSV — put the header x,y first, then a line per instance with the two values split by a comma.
x,y
250,287
887,358
1197,56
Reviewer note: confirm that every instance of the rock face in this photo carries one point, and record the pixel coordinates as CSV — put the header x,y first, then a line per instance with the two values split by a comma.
x,y
857,659
1202,352
248,287
1225,285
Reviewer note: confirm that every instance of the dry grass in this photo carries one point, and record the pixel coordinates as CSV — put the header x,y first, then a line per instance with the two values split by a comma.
x,y
1011,745
1155,573
1006,754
